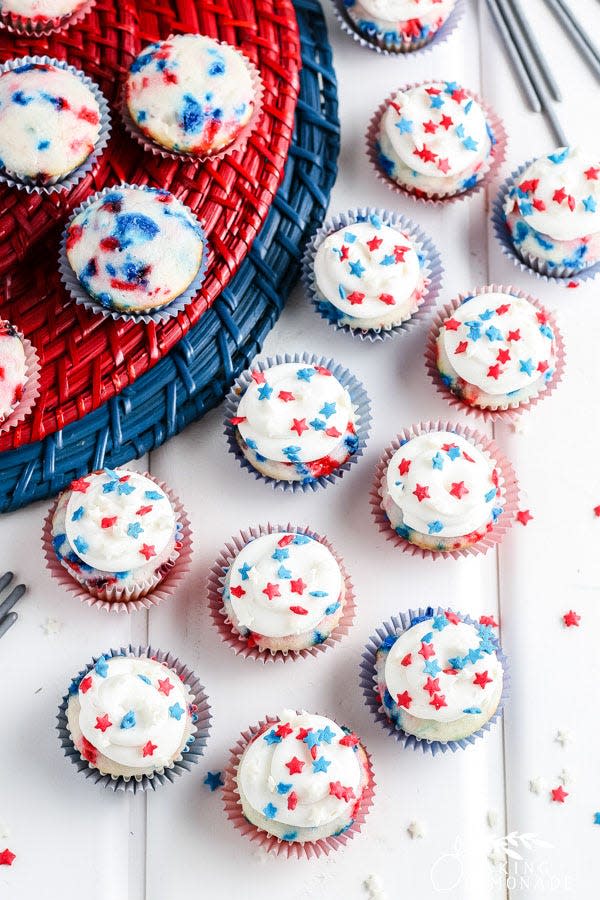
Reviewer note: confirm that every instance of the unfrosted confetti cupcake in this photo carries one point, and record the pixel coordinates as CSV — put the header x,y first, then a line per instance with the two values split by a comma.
x,y
496,349
134,719
401,25
299,783
279,592
40,17
435,678
133,250
435,140
192,95
117,533
19,376
298,421
369,271
552,212
54,122
442,489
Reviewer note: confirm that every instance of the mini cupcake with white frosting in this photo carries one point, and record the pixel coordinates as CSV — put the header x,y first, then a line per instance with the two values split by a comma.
x,y
117,533
300,779
42,16
401,25
495,349
19,376
370,271
135,718
192,95
443,489
280,592
435,140
552,212
435,678
297,422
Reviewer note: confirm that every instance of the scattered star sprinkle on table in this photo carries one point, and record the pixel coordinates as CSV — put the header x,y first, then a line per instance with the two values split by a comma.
x,y
565,777
524,516
571,619
214,781
4,831
597,818
51,627
416,830
563,737
537,785
496,856
373,885
7,857
558,794
492,818
597,511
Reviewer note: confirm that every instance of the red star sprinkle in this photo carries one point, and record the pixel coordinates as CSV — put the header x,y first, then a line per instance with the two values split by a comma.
x,y
237,420
558,794
452,617
299,610
443,165
149,748
258,377
80,484
355,298
286,396
86,684
302,732
399,253
458,489
333,432
432,685
7,857
349,740
421,492
539,205
108,521
494,371
292,802
103,723
571,618
446,122
592,173
432,91
404,466
430,127
571,202
387,299
404,699
283,730
530,186
336,789
237,591
597,511
295,765
272,590
461,347
559,195
426,650
481,679
543,366
374,243
488,620
148,551
299,426
343,252
285,540
165,687
406,660
451,324
438,700
524,516
322,370
542,317
425,154
297,586
503,356
514,335
143,510
459,95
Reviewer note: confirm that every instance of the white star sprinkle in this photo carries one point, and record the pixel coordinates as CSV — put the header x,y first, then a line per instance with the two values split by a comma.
x,y
52,626
416,830
537,785
374,887
519,426
4,830
565,777
563,737
496,856
492,818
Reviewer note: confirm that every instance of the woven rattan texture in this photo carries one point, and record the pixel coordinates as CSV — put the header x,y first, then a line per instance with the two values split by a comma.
x,y
194,377
88,359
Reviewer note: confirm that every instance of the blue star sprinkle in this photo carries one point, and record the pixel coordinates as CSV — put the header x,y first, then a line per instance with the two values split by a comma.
x,y
153,495
101,667
176,711
526,365
145,679
271,738
435,527
280,554
312,739
282,572
440,622
405,126
305,374
81,545
214,781
432,667
283,788
243,570
123,487
328,410
493,334
326,734
270,811
264,391
128,720
589,203
470,143
357,268
437,102
77,514
134,529
437,461
321,764
453,452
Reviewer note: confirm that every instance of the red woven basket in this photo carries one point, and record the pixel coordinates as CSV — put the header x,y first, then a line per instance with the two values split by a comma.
x,y
86,359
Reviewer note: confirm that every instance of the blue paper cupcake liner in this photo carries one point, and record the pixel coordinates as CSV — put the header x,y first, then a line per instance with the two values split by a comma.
x,y
533,265
387,47
81,296
191,754
426,249
394,628
358,395
67,182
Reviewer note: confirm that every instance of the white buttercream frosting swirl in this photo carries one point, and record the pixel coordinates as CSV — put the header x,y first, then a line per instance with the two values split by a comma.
x,y
13,369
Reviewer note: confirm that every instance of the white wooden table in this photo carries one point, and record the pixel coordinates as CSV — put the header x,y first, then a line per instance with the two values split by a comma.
x,y
73,840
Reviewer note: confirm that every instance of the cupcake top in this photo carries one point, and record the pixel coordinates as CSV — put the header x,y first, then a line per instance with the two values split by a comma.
x,y
135,248
367,267
190,93
403,10
294,412
302,771
13,369
283,583
118,520
499,342
39,10
559,194
437,129
134,710
443,484
444,668
49,121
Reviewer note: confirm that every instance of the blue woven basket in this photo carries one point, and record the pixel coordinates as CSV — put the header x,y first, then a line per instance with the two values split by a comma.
x,y
195,376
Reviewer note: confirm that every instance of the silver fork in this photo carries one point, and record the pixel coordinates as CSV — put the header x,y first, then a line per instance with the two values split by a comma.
x,y
8,618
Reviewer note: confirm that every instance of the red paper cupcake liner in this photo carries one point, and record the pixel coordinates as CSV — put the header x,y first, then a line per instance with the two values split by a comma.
x,y
245,646
22,25
164,590
31,388
268,842
497,156
385,48
510,412
508,485
238,144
